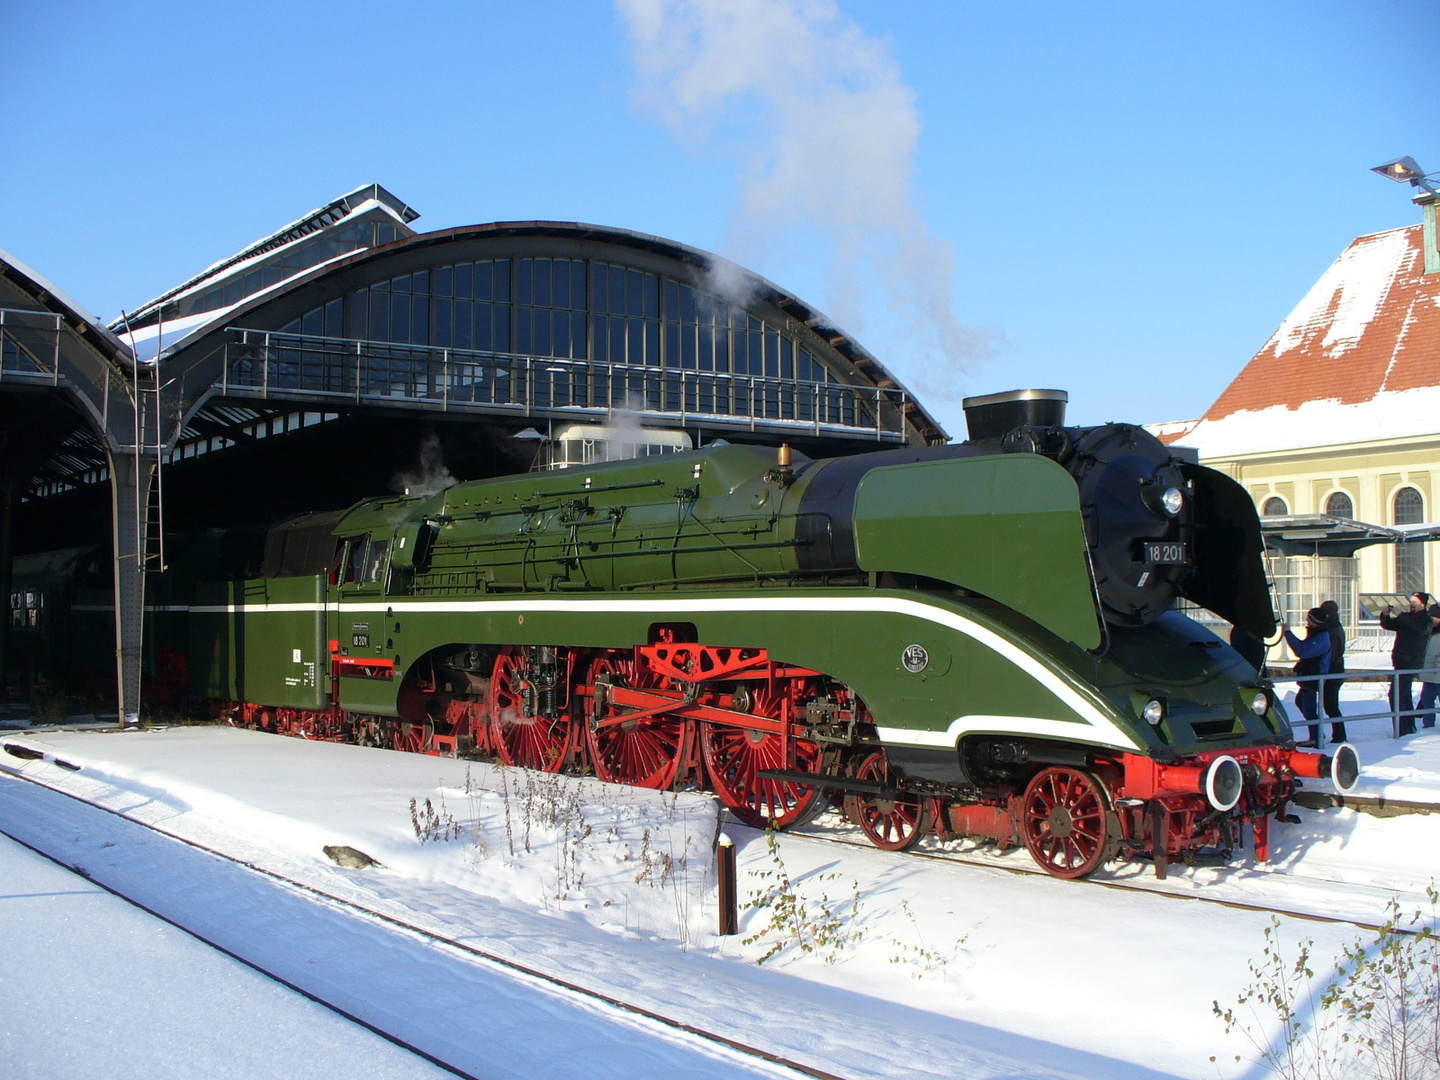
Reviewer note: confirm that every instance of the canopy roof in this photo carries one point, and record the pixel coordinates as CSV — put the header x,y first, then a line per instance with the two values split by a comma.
x,y
346,207
1321,534
215,298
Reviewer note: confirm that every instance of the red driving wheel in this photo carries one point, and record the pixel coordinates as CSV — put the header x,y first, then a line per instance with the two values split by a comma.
x,y
518,734
1064,821
734,755
647,752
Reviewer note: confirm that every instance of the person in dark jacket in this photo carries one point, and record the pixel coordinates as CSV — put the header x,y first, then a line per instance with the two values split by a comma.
x,y
1314,655
1412,634
1330,696
1430,677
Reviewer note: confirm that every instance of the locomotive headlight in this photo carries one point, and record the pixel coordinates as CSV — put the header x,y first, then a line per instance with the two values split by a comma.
x,y
1154,711
1173,501
1261,705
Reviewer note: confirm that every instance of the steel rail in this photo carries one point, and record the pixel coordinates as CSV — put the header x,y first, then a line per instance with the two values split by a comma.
x,y
366,912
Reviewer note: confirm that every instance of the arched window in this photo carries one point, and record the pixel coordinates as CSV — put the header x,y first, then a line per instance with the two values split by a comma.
x,y
1340,505
1274,507
1409,558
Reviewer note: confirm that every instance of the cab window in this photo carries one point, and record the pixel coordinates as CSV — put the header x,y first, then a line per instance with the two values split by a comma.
x,y
355,561
376,559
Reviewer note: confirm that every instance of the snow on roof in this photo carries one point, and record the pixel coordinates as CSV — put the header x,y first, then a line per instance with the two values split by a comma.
x,y
1358,360
1168,431
1398,414
347,207
165,335
145,340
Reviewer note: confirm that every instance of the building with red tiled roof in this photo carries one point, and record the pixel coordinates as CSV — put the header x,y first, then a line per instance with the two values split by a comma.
x,y
1339,412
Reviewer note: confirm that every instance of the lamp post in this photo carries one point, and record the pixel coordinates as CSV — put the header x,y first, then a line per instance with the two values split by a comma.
x,y
1406,170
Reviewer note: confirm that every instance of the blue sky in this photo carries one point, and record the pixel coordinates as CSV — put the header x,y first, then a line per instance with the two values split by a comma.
x,y
1132,196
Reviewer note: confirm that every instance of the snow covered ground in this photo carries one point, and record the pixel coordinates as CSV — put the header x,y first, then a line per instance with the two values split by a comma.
x,y
83,971
917,967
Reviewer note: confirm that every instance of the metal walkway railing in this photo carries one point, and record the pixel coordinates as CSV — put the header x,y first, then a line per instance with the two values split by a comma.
x,y
267,364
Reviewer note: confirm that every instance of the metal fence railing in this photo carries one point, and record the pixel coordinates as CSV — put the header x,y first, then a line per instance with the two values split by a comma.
x,y
1393,714
30,346
1370,638
267,364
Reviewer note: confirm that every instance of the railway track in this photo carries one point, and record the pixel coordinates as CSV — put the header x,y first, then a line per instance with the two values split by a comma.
x,y
782,1065
843,836
842,839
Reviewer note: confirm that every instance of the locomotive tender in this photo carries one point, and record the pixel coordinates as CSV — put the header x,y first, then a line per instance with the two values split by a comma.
x,y
975,639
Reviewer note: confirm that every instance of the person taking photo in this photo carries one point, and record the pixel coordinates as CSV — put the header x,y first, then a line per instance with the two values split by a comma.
x,y
1412,634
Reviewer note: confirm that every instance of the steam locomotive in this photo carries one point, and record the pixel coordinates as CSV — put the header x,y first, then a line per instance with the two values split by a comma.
x,y
970,640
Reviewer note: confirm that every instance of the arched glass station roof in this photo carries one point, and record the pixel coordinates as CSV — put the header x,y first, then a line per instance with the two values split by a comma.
x,y
540,318
350,307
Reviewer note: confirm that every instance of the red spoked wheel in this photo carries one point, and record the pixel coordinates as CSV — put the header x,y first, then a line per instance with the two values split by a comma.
x,y
647,752
891,822
518,733
1065,822
734,755
413,738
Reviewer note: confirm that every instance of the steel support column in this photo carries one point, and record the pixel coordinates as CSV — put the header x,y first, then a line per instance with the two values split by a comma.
x,y
9,481
130,477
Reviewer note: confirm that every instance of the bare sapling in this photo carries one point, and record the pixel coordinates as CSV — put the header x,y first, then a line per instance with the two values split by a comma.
x,y
795,922
433,825
1376,1016
922,959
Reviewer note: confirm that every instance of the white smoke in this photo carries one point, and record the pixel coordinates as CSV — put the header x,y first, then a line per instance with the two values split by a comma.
x,y
830,131
733,285
431,476
626,429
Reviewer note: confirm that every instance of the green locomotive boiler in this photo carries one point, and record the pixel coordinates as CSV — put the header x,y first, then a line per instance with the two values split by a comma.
x,y
977,639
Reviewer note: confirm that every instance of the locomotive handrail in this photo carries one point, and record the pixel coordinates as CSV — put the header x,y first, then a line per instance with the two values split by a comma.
x,y
269,363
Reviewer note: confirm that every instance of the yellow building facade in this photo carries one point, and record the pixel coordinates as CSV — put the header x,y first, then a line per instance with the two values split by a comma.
x,y
1339,413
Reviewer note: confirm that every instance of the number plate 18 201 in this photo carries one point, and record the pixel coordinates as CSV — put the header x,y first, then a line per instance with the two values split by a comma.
x,y
1166,553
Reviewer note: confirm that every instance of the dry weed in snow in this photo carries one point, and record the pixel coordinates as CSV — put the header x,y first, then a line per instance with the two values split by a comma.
x,y
573,841
1376,1016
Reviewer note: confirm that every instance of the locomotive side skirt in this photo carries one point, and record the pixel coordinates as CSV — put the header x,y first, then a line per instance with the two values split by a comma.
x,y
865,650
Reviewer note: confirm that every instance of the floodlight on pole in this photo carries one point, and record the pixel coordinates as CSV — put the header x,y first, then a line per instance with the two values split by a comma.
x,y
1406,170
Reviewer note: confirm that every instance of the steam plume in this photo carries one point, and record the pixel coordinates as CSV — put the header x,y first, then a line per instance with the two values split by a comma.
x,y
830,134
430,477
